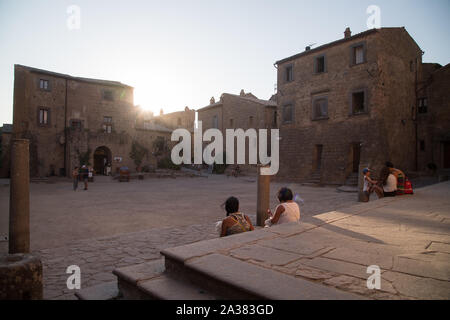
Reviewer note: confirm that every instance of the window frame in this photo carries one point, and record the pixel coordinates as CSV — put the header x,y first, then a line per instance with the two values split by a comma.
x,y
285,106
314,116
316,65
353,47
40,80
285,74
47,110
105,95
420,107
366,101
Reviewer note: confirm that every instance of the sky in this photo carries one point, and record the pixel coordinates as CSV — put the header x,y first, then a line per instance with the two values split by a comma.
x,y
181,53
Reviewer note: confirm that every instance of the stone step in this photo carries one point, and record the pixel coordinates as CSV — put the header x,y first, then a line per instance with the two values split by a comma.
x,y
234,279
168,288
104,291
128,278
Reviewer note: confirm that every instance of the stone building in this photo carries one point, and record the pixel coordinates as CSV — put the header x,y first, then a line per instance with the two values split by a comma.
x,y
350,102
68,117
433,119
180,119
243,111
5,161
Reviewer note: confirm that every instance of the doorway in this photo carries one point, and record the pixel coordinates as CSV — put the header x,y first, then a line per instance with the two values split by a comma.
x,y
102,158
446,155
317,164
356,157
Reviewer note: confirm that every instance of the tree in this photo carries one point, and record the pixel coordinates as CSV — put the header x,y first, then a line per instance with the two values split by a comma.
x,y
160,146
83,157
138,152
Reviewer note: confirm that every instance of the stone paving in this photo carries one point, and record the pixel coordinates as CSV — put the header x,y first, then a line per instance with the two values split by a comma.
x,y
97,258
407,237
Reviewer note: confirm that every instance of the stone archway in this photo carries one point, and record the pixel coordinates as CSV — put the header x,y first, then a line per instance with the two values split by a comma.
x,y
102,157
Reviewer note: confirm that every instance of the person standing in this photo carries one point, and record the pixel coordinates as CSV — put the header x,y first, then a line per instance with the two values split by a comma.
x,y
85,175
370,186
75,175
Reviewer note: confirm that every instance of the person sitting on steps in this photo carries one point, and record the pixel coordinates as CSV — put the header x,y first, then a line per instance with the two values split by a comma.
x,y
236,222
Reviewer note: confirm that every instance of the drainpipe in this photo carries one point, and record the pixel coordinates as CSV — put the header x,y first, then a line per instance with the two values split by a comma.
x,y
65,132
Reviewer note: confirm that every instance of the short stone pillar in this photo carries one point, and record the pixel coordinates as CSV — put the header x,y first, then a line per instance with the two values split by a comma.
x,y
19,198
361,196
20,272
263,200
20,277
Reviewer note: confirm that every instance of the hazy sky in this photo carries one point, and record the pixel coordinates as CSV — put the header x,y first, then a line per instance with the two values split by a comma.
x,y
180,53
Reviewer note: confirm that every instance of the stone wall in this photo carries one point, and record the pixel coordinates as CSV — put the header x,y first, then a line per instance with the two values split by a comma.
x,y
385,131
85,114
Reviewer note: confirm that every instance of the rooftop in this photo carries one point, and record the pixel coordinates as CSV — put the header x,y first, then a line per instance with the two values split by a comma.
x,y
334,43
69,77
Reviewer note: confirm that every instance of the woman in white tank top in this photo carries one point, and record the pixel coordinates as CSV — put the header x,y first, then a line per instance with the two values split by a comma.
x,y
287,211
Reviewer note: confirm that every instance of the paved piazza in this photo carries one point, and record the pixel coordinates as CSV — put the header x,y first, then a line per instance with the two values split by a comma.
x,y
119,224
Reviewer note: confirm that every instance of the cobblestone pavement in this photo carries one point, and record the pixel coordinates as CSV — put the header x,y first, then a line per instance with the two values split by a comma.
x,y
97,258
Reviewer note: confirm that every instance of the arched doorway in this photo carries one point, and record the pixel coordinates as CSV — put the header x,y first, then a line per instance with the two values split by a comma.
x,y
102,157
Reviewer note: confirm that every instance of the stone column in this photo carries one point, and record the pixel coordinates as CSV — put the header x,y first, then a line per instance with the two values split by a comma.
x,y
20,272
19,201
263,200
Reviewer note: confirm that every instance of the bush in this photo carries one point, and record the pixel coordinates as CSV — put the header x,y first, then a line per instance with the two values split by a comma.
x,y
166,163
219,168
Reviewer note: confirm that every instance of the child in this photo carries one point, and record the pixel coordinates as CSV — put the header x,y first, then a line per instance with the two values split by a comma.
x,y
370,186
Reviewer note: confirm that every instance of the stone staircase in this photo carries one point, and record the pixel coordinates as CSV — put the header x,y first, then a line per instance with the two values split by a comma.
x,y
315,178
178,276
352,180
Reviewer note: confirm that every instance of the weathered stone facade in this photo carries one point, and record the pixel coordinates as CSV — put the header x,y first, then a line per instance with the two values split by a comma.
x,y
5,150
348,102
65,116
244,111
433,118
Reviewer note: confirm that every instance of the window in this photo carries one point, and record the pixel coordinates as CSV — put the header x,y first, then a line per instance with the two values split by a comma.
x,y
44,117
44,85
423,105
358,102
250,121
288,113
107,128
108,95
215,122
231,123
107,119
320,108
75,124
422,145
275,120
289,73
358,53
319,65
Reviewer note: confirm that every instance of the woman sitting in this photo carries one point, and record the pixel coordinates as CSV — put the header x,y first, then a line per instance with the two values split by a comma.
x,y
236,222
287,211
389,183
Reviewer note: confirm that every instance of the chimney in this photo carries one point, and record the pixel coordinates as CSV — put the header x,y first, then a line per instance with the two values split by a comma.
x,y
307,48
242,93
212,101
347,33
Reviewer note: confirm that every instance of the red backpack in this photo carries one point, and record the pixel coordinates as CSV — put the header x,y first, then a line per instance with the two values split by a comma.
x,y
408,187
